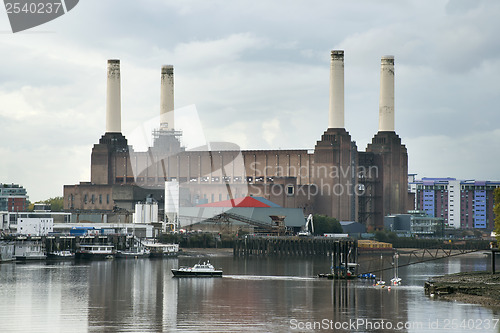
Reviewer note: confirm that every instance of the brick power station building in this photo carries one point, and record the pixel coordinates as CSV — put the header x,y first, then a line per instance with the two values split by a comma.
x,y
335,179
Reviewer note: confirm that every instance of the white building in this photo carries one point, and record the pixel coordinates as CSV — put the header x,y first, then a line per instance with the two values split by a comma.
x,y
35,226
454,203
9,220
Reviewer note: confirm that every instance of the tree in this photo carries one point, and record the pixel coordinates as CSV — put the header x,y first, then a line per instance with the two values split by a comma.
x,y
326,225
496,212
56,204
381,236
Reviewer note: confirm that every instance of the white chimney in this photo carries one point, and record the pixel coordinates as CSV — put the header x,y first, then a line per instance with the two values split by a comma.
x,y
336,112
113,98
386,105
167,97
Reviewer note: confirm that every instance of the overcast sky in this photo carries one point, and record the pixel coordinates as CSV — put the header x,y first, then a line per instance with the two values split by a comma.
x,y
257,72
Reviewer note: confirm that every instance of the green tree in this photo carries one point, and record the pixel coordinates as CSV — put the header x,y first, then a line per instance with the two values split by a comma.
x,y
496,211
381,236
56,203
385,236
326,225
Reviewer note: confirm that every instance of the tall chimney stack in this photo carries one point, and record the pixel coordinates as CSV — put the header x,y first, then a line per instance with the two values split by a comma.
x,y
386,105
113,98
336,111
167,97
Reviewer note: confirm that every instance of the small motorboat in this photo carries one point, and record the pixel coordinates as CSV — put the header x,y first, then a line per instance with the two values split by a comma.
x,y
368,276
60,255
396,280
198,270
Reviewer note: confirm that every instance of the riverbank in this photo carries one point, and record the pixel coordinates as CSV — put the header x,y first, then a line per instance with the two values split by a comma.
x,y
482,288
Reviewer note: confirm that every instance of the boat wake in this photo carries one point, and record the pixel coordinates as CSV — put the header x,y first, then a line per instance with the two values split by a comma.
x,y
270,277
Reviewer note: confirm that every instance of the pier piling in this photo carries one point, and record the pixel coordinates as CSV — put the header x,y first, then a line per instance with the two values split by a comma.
x,y
342,250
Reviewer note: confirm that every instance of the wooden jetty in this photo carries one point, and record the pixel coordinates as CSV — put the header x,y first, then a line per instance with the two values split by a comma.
x,y
342,251
293,246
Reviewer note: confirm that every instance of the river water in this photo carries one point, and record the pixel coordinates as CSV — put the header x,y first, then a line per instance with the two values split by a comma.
x,y
255,294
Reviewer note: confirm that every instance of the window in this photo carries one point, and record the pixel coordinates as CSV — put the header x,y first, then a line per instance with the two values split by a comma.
x,y
100,198
289,190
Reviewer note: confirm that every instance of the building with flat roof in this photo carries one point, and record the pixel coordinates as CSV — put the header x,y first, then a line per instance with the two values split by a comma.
x,y
466,204
31,222
415,223
13,198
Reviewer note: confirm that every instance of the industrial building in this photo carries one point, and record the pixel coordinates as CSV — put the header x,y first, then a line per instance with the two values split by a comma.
x,y
335,179
464,204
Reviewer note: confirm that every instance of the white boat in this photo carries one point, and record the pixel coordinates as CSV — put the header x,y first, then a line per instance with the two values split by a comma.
x,y
381,282
95,252
60,255
133,253
396,280
198,270
159,250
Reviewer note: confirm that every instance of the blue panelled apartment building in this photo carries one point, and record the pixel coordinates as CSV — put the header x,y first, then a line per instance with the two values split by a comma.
x,y
466,204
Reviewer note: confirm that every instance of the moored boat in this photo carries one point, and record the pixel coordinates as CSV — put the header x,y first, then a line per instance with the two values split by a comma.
x,y
60,255
29,251
159,250
95,252
133,253
396,280
6,252
199,270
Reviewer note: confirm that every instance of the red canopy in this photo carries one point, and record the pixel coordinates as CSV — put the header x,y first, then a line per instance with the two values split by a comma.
x,y
242,202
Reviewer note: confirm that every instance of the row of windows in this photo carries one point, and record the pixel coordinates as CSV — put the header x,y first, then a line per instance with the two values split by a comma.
x,y
464,188
93,199
205,179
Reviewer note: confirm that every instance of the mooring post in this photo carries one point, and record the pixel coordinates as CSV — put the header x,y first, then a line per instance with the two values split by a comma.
x,y
336,258
493,253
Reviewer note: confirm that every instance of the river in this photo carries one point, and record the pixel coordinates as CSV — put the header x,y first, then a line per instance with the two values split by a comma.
x,y
255,294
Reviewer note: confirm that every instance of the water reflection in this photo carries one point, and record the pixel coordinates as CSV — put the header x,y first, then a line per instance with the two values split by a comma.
x,y
136,294
255,294
36,296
